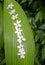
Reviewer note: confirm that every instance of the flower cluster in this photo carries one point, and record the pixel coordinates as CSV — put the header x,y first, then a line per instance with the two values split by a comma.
x,y
21,51
18,31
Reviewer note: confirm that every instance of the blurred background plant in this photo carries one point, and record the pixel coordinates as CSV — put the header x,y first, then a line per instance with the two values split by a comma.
x,y
35,11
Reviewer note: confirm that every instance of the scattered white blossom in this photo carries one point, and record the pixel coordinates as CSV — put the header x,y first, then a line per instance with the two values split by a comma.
x,y
20,37
19,40
22,56
14,17
12,12
10,6
18,29
21,50
20,46
18,21
17,24
18,33
22,53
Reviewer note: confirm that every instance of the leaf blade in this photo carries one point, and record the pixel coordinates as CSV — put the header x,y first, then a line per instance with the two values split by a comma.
x,y
11,39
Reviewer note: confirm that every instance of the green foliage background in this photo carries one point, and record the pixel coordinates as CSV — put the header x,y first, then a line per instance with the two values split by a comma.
x,y
35,11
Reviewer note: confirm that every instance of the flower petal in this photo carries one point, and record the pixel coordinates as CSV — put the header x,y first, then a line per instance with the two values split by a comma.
x,y
18,21
12,12
19,41
22,56
14,17
21,50
10,6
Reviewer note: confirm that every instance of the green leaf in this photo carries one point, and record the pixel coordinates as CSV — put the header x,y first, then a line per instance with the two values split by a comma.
x,y
3,62
1,26
37,61
43,41
30,1
43,53
39,16
37,49
10,38
42,26
23,1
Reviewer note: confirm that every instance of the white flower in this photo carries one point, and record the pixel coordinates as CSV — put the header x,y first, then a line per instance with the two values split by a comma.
x,y
10,6
14,17
18,29
21,50
21,37
20,46
18,32
17,24
21,53
19,41
18,21
22,56
12,12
